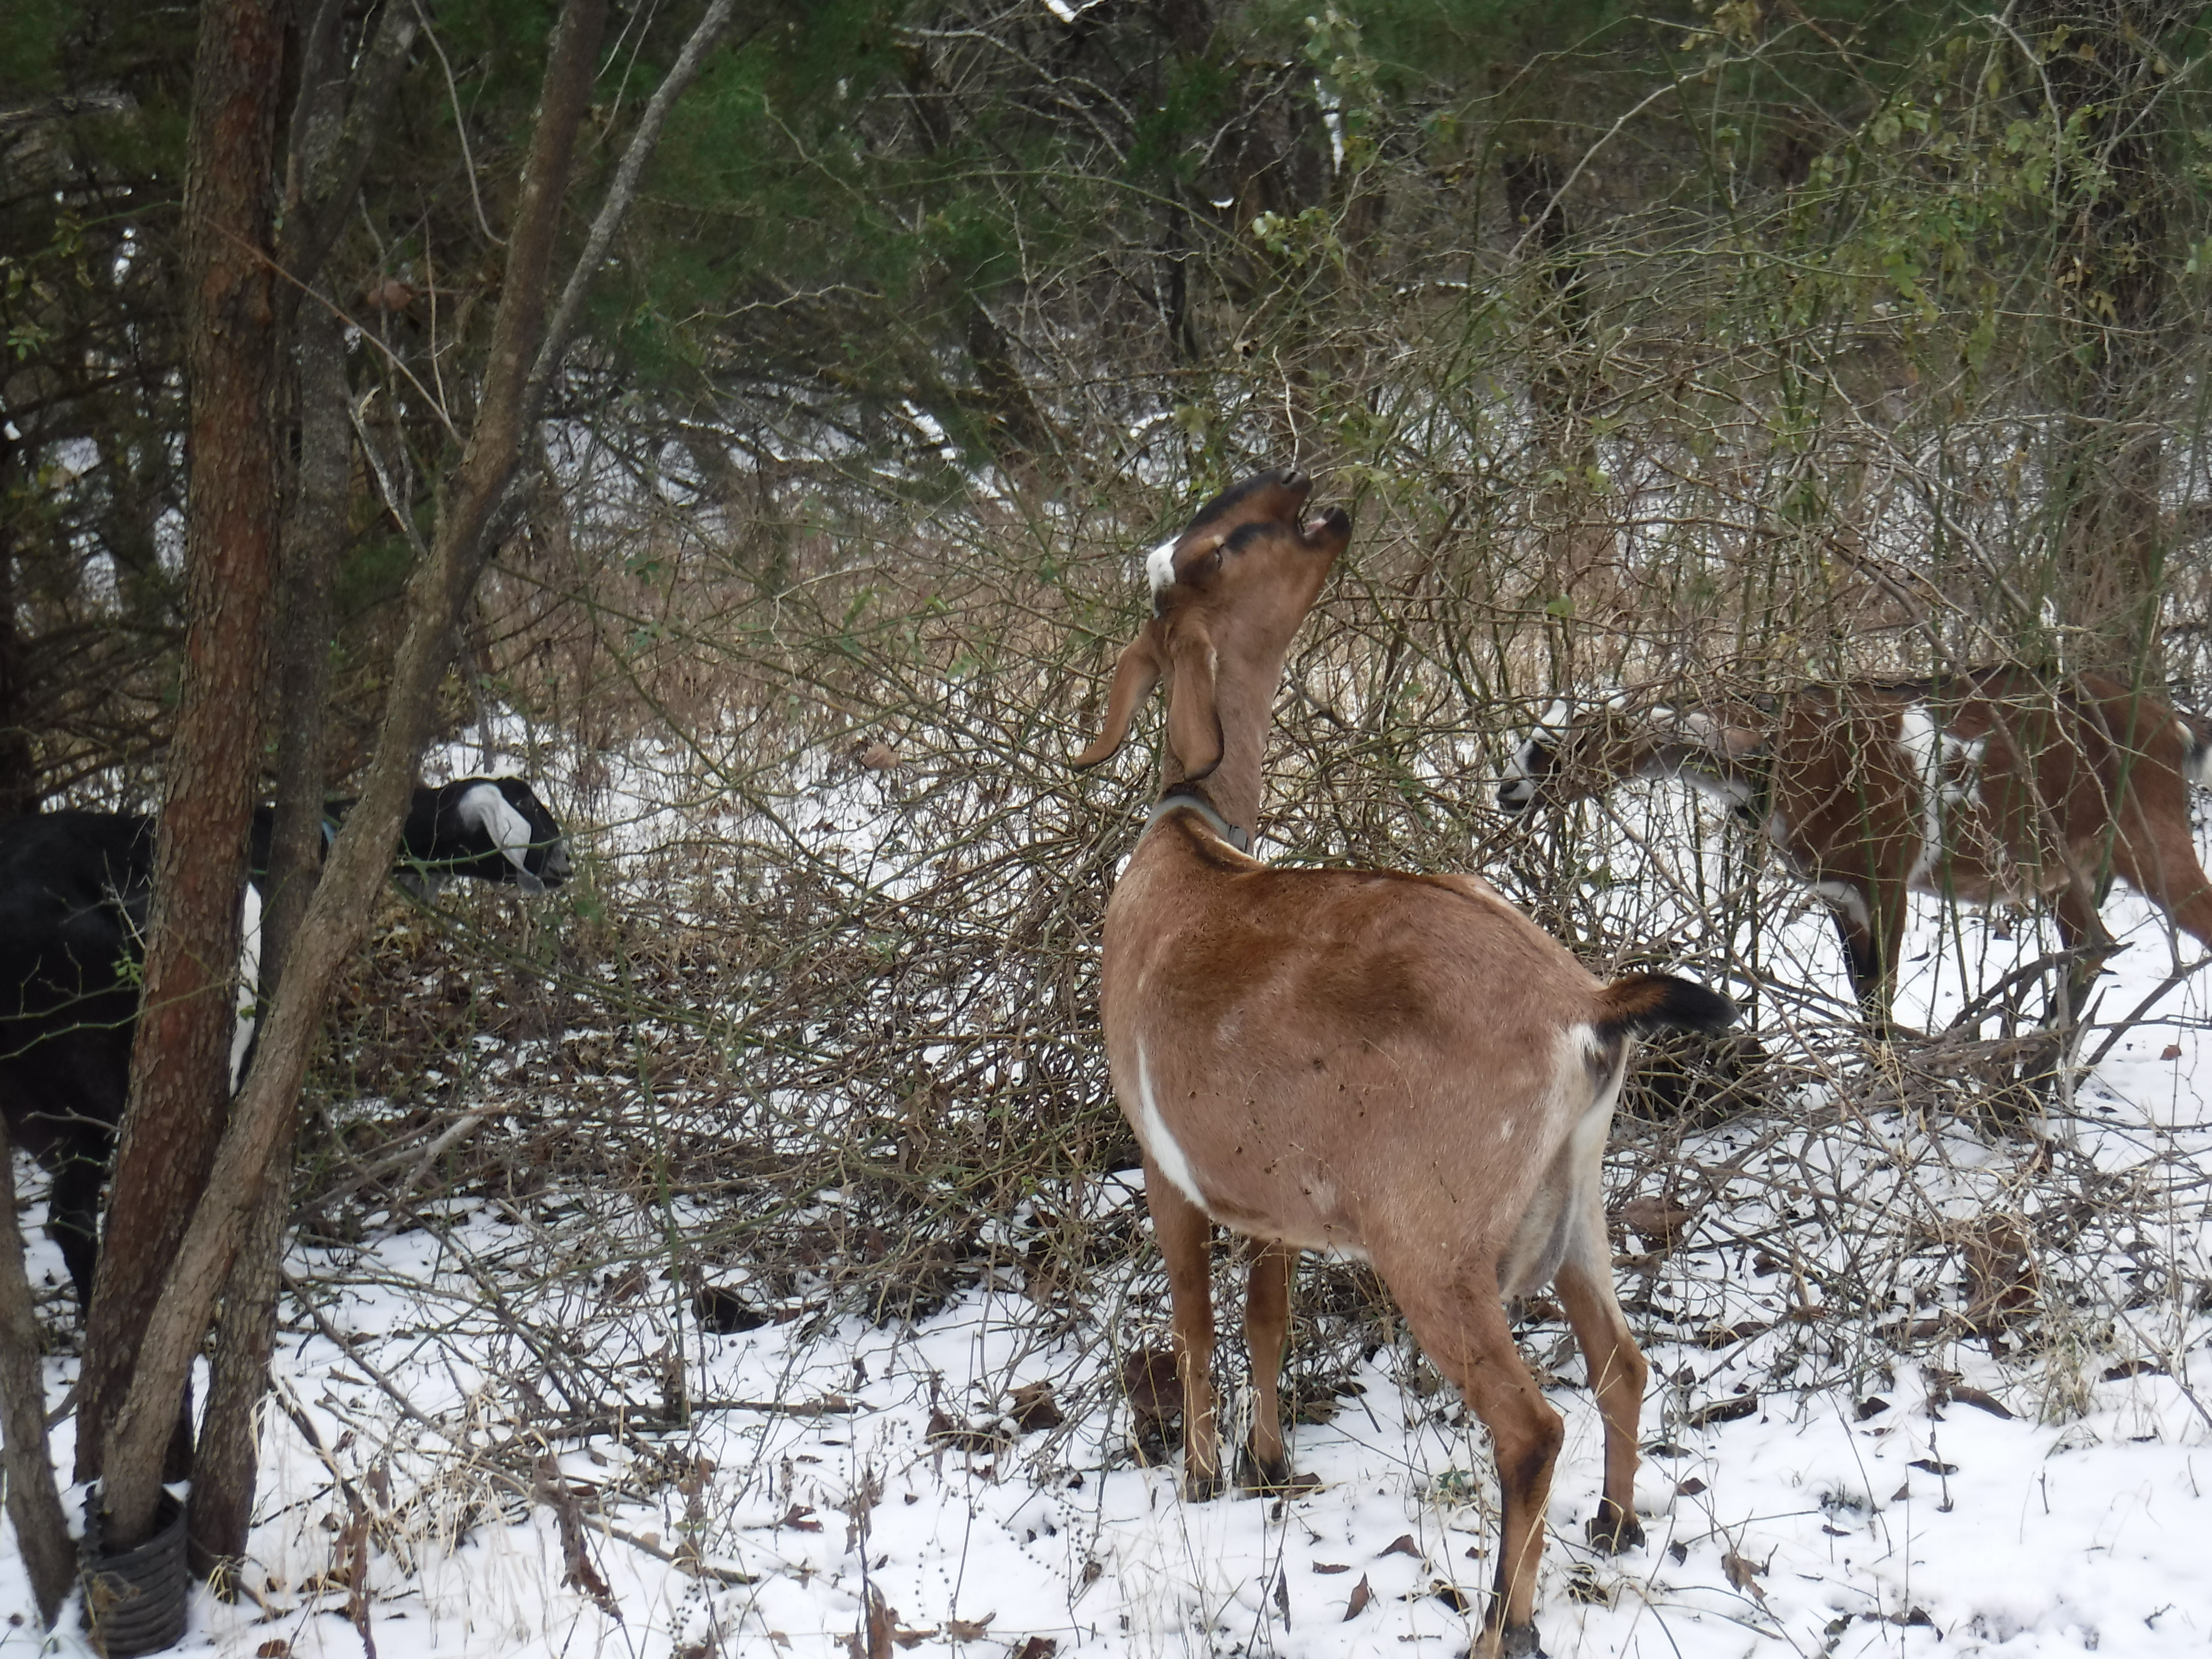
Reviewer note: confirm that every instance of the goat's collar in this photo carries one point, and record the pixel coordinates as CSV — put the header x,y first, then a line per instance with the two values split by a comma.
x,y
1235,834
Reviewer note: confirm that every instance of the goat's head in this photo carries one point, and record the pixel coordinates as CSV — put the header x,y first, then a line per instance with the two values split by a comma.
x,y
1582,746
506,835
1228,594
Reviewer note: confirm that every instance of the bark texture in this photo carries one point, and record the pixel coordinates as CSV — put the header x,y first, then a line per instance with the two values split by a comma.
x,y
180,1060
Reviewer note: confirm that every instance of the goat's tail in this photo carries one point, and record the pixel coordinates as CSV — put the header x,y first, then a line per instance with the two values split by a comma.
x,y
1653,1002
2196,749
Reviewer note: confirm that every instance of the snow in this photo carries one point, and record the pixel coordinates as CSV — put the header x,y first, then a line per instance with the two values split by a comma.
x,y
1827,1469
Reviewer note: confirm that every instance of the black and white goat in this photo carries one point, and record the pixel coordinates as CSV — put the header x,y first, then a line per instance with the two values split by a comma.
x,y
75,890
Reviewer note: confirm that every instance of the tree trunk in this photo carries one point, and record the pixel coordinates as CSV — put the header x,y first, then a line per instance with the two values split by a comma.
x,y
180,1059
339,909
35,1508
224,1468
335,117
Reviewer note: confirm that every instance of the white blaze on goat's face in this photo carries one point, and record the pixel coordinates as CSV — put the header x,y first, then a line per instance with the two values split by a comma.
x,y
486,807
1159,565
1519,787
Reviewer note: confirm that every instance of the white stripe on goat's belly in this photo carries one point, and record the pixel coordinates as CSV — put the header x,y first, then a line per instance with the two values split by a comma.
x,y
1159,1144
487,808
249,983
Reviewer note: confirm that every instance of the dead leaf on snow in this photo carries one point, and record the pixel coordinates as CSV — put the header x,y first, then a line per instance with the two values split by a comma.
x,y
1661,1223
1743,1576
1035,1408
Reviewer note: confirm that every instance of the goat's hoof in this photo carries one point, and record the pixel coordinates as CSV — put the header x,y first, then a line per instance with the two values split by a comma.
x,y
1514,1642
1270,1477
1613,1529
1258,1473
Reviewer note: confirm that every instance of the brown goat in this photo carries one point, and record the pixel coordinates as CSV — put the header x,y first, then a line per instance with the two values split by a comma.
x,y
1992,784
1398,1068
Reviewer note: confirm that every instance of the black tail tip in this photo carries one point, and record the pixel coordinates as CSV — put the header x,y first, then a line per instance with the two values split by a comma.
x,y
1653,1002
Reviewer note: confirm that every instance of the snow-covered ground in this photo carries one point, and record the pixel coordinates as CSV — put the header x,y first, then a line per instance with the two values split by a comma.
x,y
1917,1387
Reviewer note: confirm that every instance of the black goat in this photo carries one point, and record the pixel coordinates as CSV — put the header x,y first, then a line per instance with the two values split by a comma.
x,y
75,890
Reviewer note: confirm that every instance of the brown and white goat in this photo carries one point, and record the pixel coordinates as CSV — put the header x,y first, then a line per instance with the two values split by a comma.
x,y
1989,786
1398,1068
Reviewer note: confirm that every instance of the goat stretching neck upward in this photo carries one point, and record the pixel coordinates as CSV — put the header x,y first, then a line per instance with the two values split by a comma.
x,y
75,890
1989,786
1395,1066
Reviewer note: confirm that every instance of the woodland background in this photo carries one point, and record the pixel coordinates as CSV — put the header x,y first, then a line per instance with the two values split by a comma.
x,y
1732,343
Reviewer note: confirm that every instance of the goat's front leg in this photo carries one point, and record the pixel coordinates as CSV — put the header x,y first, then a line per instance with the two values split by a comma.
x,y
2088,943
1267,1337
1186,1239
1871,925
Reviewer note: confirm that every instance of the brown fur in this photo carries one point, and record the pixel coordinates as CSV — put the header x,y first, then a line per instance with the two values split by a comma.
x,y
1400,1067
2049,790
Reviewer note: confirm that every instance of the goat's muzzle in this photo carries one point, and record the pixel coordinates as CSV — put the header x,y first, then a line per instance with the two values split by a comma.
x,y
557,868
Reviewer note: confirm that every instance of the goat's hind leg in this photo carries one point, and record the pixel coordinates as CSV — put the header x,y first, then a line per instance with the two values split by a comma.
x,y
1461,1324
1267,1339
1185,1240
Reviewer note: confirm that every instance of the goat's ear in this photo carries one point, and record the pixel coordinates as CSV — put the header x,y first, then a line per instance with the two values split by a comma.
x,y
1741,742
1135,677
1718,737
1194,721
486,807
